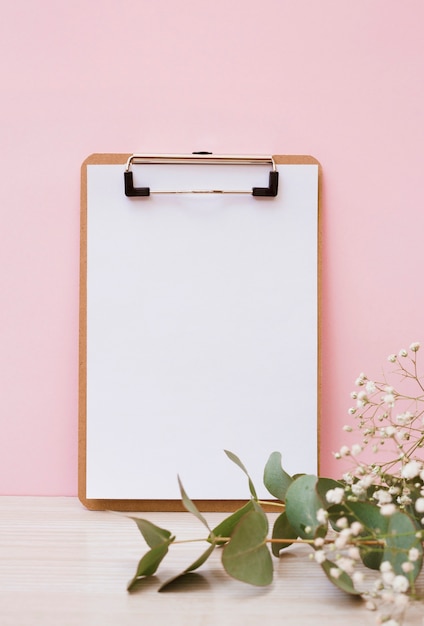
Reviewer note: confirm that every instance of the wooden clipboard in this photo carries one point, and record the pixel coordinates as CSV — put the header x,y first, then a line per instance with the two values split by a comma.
x,y
101,242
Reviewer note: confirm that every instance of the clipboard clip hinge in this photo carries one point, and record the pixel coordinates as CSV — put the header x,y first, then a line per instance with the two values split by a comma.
x,y
200,158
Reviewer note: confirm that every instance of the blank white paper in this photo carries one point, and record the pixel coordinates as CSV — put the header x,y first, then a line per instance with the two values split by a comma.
x,y
201,330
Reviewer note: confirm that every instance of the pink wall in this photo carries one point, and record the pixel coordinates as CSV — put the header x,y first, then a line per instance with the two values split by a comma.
x,y
337,79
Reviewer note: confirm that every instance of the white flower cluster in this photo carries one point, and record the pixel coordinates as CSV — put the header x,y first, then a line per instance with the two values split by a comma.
x,y
387,470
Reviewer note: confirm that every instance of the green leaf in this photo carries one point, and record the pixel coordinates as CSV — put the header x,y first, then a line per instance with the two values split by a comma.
x,y
276,480
375,527
226,527
197,563
282,530
246,557
343,581
237,461
149,563
153,535
302,506
401,538
190,506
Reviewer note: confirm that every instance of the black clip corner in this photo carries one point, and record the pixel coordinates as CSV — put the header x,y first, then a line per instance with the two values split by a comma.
x,y
268,192
132,191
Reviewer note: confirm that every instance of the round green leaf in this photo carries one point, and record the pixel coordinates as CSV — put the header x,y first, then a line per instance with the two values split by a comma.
x,y
302,506
246,556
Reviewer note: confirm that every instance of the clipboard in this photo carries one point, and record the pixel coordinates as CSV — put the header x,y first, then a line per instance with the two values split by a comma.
x,y
199,302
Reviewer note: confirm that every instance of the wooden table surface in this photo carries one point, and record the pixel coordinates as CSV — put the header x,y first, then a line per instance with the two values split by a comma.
x,y
62,565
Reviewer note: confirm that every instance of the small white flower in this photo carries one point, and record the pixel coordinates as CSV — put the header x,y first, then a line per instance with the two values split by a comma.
x,y
352,410
390,431
401,600
358,578
400,584
370,386
335,572
341,541
348,478
415,346
319,542
419,505
387,509
382,496
335,496
354,553
411,469
403,353
356,528
385,566
360,381
388,578
320,556
407,567
389,399
322,516
392,358
346,564
404,418
342,522
308,529
344,451
347,428
356,449
413,555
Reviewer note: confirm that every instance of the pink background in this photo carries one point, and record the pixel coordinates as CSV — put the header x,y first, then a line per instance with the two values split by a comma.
x,y
340,80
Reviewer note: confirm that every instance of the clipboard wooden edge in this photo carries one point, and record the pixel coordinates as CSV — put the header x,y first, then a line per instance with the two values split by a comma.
x,y
159,505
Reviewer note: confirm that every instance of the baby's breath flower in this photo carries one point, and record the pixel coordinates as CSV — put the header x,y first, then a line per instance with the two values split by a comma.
x,y
403,353
348,478
385,566
382,496
347,428
413,555
392,358
356,449
344,451
400,584
419,505
404,418
322,516
358,578
335,496
411,469
360,381
335,572
370,386
319,542
356,528
346,565
354,553
387,509
389,399
407,567
342,522
415,346
320,556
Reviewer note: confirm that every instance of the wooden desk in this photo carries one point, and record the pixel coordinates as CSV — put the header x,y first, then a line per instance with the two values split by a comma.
x,y
62,565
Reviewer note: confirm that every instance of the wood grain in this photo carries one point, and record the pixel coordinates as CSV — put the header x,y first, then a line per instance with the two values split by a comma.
x,y
62,564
